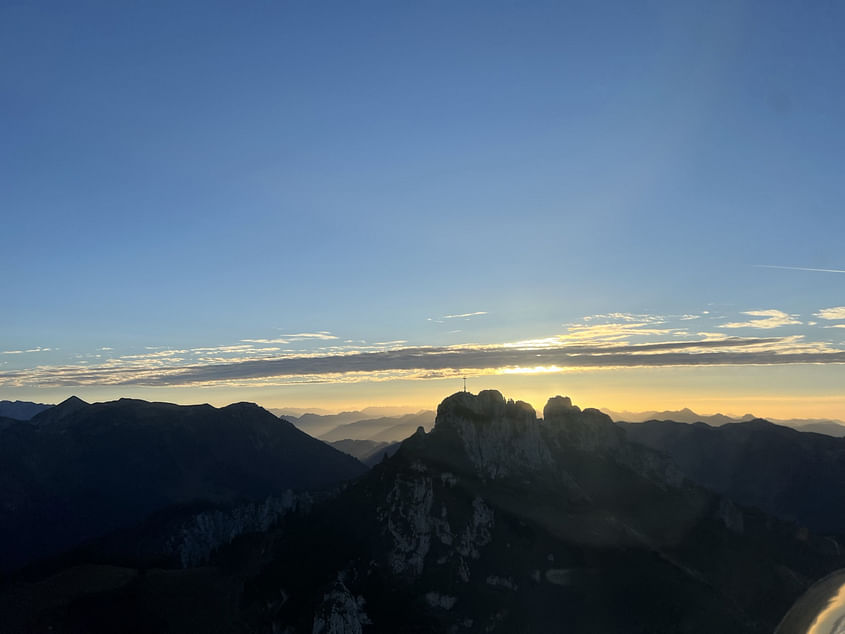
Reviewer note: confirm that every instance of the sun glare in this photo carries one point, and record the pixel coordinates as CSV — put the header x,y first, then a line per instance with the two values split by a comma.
x,y
538,369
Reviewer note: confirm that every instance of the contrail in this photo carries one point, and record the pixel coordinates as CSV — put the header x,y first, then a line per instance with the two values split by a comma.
x,y
797,268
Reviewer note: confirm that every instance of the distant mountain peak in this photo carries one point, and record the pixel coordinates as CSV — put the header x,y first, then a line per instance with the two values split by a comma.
x,y
66,408
685,415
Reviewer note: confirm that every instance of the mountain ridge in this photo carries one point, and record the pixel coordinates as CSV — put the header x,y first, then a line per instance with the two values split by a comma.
x,y
81,470
792,474
383,429
318,425
830,427
21,410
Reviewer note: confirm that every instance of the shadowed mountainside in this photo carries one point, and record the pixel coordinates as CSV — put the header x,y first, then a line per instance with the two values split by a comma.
x,y
370,452
799,476
78,471
496,521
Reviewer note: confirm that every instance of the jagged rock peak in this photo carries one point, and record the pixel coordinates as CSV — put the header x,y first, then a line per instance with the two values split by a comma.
x,y
559,404
500,437
340,612
485,406
61,411
561,408
588,429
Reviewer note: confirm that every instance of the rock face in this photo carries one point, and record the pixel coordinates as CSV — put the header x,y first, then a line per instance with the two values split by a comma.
x,y
409,524
504,438
195,542
500,437
414,528
340,613
590,430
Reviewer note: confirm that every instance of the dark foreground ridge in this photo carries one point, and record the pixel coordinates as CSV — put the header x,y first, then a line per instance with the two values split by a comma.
x,y
77,471
495,521
794,475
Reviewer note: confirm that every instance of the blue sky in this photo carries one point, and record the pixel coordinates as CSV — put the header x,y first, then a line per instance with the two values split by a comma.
x,y
189,177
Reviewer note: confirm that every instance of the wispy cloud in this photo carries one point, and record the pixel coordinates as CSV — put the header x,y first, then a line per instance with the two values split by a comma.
x,y
442,318
276,340
29,351
836,312
232,348
322,335
154,355
477,313
797,268
768,319
626,317
615,332
617,327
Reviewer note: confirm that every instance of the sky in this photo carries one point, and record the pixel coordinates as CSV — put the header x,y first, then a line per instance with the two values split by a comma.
x,y
335,204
